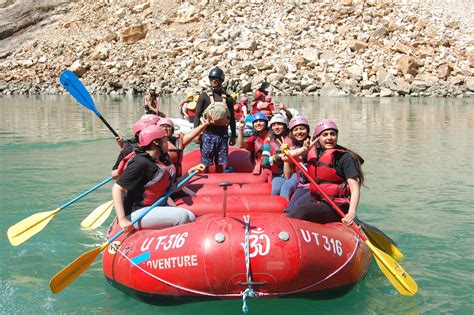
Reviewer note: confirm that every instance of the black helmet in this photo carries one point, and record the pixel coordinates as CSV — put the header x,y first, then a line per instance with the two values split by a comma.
x,y
216,72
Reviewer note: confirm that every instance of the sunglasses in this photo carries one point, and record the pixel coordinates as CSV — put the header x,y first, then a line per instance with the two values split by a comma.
x,y
214,79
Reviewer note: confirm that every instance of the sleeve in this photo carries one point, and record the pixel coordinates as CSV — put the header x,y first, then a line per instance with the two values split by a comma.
x,y
346,166
199,109
134,176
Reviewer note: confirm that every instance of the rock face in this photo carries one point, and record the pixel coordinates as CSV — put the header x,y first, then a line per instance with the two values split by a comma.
x,y
331,48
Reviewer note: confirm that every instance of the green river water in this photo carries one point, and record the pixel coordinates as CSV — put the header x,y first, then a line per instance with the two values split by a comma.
x,y
418,153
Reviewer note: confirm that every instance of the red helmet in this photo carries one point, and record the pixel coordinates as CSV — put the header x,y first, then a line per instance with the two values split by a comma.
x,y
149,134
259,95
142,123
323,125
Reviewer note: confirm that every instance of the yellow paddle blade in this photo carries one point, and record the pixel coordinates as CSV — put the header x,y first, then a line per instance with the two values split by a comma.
x,y
399,278
68,274
98,216
28,227
382,242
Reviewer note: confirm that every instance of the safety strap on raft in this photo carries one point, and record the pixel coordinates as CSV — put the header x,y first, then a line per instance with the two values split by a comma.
x,y
249,292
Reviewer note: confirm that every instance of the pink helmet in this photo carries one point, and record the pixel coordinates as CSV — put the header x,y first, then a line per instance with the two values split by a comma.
x,y
141,124
149,134
298,121
166,121
154,118
323,125
244,100
268,99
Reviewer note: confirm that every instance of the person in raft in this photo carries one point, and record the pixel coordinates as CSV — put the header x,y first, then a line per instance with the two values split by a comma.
x,y
273,158
216,106
338,173
187,108
297,185
151,102
128,146
147,177
255,143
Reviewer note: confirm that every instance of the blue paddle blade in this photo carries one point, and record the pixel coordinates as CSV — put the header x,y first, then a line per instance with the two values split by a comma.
x,y
75,87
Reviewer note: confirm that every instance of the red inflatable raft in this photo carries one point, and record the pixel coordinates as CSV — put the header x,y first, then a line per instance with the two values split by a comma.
x,y
249,245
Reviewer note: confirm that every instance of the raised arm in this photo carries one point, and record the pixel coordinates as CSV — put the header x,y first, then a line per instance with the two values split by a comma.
x,y
194,133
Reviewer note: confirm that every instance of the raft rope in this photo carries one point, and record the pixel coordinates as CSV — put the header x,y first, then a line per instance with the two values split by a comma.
x,y
228,295
249,292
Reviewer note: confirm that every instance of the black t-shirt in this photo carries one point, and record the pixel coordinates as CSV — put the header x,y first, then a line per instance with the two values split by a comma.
x,y
139,171
128,148
204,101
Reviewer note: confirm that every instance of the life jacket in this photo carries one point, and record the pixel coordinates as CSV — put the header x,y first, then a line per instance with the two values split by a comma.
x,y
256,156
159,185
176,157
323,170
191,109
265,108
123,163
217,111
277,167
238,112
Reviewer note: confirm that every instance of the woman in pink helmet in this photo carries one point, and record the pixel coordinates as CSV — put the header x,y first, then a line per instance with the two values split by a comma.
x,y
146,178
338,173
296,185
176,144
127,146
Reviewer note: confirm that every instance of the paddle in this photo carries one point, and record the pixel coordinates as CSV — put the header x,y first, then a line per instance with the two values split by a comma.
x,y
98,216
381,240
70,273
28,227
72,84
399,278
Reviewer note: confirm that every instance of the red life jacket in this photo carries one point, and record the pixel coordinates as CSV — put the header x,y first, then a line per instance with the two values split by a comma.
x,y
265,108
323,171
277,167
257,154
176,156
158,185
238,112
123,163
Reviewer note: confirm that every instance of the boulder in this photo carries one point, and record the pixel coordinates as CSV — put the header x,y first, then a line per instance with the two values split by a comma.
x,y
408,65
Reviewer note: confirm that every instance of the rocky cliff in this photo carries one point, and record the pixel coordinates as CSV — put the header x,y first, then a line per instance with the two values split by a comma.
x,y
330,48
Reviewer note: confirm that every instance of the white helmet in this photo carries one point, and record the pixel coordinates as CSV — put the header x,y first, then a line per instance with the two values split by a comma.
x,y
293,112
278,118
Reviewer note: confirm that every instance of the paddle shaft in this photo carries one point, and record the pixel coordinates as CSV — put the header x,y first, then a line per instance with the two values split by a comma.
x,y
107,124
105,181
329,200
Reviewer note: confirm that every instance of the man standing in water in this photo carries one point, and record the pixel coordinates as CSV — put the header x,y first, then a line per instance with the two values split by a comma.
x,y
217,106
